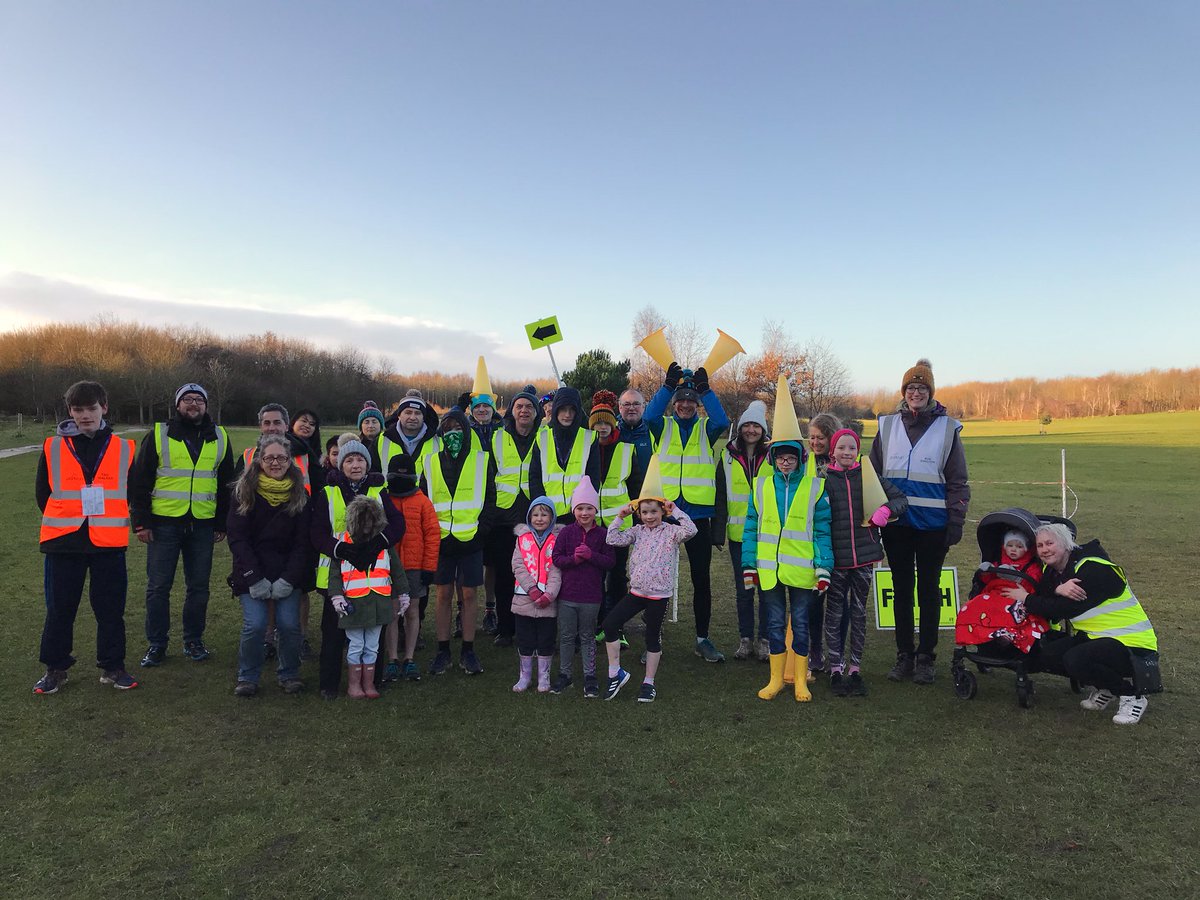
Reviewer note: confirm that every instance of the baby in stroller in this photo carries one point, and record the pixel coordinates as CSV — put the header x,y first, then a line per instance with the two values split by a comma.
x,y
989,617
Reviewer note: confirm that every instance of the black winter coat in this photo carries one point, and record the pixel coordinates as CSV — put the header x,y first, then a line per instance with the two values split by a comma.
x,y
268,543
853,544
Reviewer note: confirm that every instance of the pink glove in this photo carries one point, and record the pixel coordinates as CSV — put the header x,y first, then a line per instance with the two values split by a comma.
x,y
542,601
536,594
583,551
880,517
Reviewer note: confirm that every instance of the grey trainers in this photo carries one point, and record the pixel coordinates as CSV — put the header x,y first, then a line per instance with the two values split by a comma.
x,y
762,650
745,650
903,669
51,681
118,678
923,669
707,652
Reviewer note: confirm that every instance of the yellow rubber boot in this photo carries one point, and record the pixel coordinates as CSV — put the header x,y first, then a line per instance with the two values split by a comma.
x,y
789,666
803,695
775,685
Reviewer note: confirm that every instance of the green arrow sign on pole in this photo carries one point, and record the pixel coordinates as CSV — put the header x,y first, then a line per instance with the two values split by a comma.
x,y
543,332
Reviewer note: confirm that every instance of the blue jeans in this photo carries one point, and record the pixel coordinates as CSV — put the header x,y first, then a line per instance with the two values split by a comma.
x,y
194,542
745,598
254,632
798,599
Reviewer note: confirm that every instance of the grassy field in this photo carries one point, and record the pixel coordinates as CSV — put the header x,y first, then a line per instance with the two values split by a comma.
x,y
457,787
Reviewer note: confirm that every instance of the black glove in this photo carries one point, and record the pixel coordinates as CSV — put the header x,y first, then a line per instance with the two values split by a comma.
x,y
674,373
700,380
427,578
953,535
464,401
718,537
361,556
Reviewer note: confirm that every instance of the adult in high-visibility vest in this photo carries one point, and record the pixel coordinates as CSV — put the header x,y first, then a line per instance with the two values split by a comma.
x,y
621,476
787,552
479,404
178,502
82,490
408,433
918,449
687,447
741,460
268,528
512,450
353,478
1113,649
460,480
566,451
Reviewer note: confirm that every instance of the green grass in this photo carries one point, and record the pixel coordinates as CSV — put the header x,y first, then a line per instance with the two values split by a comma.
x,y
457,787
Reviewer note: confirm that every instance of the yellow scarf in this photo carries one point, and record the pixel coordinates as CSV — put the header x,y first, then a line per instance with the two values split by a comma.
x,y
276,491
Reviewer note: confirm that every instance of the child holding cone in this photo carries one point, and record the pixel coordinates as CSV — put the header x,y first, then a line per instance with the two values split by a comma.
x,y
654,547
786,548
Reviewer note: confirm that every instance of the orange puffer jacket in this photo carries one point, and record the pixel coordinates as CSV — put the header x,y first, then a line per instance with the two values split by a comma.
x,y
418,548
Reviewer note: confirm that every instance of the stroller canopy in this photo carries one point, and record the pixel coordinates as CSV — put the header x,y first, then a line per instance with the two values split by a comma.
x,y
992,528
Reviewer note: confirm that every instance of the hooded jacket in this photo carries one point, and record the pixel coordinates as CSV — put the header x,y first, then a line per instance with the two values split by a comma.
x,y
786,487
88,449
522,603
515,514
391,431
452,466
563,438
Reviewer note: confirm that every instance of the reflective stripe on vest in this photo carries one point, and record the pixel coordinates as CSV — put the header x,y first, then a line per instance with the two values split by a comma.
x,y
64,510
301,462
689,470
357,584
535,559
559,484
178,489
737,494
918,470
337,524
1122,617
389,448
458,513
512,472
785,551
614,489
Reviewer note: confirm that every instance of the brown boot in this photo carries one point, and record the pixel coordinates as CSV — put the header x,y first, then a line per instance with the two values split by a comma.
x,y
354,683
368,682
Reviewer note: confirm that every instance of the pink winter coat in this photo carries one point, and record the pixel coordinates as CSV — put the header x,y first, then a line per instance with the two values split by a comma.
x,y
522,604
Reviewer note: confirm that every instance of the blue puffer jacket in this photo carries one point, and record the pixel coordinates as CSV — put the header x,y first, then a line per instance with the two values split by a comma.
x,y
786,487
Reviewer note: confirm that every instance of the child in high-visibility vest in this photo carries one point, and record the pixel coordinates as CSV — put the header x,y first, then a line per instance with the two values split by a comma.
x,y
364,599
538,581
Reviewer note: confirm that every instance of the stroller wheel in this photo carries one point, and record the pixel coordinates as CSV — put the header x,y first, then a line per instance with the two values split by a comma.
x,y
965,684
1025,693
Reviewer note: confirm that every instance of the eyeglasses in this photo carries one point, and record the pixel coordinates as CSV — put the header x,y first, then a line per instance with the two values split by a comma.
x,y
917,388
276,460
633,405
193,401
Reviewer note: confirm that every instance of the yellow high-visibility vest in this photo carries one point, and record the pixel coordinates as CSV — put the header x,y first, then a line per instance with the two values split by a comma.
x,y
614,489
180,484
1121,618
512,471
337,524
458,512
737,494
389,448
558,483
691,470
785,551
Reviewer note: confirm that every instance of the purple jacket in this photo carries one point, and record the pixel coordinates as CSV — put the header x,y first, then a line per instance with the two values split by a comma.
x,y
268,543
582,582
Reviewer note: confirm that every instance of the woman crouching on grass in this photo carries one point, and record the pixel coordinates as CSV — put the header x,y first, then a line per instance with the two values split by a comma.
x,y
268,536
1114,650
655,547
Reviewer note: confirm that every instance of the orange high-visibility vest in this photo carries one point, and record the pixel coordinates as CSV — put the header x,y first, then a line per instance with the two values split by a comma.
x,y
301,461
64,509
357,584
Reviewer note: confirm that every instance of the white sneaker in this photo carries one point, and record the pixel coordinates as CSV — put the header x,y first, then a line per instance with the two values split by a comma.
x,y
1131,710
1097,700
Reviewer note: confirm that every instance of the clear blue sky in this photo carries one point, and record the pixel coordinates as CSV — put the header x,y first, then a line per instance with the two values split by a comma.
x,y
1008,188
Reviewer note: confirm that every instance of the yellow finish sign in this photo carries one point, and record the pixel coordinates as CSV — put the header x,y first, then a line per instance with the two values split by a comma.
x,y
885,618
543,333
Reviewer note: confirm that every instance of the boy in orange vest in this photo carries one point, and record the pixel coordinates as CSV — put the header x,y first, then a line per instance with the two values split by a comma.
x,y
81,489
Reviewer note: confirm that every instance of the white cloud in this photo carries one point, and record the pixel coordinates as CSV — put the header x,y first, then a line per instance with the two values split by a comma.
x,y
409,342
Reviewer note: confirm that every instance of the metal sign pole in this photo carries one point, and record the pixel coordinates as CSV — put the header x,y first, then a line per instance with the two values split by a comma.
x,y
554,366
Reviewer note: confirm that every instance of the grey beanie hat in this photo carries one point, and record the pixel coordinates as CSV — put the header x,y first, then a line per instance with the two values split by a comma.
x,y
755,414
351,447
190,388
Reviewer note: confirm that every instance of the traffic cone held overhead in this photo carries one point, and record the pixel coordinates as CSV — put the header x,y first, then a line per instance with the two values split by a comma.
x,y
655,344
725,349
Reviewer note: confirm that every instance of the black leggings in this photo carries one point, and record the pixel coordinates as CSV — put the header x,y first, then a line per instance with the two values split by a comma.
x,y
925,551
628,607
1100,662
536,634
699,554
333,648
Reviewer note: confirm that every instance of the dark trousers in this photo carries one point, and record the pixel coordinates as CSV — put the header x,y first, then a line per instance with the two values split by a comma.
x,y
909,550
193,541
654,611
746,598
616,584
536,634
64,577
333,649
501,560
699,553
1100,662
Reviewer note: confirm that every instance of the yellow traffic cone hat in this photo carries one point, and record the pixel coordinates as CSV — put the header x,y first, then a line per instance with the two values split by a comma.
x,y
652,484
481,390
785,427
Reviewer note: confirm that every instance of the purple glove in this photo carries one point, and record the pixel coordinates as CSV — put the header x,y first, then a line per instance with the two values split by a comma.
x,y
582,552
880,517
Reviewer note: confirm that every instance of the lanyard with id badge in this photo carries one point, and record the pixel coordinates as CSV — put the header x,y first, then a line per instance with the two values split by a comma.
x,y
91,495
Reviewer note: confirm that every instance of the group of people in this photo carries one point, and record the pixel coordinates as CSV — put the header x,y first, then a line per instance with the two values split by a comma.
x,y
568,522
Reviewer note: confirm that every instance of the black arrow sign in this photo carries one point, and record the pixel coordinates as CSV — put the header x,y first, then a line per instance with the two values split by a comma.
x,y
546,331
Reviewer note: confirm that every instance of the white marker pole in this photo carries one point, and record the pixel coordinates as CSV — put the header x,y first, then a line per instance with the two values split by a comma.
x,y
1064,482
554,366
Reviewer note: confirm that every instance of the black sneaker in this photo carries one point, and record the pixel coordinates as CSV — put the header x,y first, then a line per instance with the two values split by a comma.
x,y
615,683
154,657
245,689
196,651
441,663
923,669
291,686
647,693
561,683
591,687
903,669
118,678
51,681
489,621
857,687
838,684
469,663
503,640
